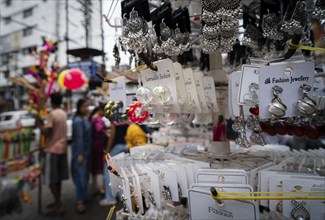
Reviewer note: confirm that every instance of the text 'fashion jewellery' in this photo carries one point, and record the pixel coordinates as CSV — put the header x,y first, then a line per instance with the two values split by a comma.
x,y
276,107
306,105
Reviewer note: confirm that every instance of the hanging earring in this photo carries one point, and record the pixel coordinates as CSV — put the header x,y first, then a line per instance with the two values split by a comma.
x,y
299,212
164,96
319,11
306,105
276,107
123,199
151,198
166,192
251,98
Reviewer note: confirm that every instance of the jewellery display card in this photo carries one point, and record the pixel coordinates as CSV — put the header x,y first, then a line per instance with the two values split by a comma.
x,y
181,178
170,180
153,179
233,90
183,100
189,174
232,209
289,76
126,190
276,185
137,188
165,76
210,92
294,208
200,91
191,89
254,174
249,75
117,91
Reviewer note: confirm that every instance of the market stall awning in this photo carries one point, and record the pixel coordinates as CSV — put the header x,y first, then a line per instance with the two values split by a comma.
x,y
85,53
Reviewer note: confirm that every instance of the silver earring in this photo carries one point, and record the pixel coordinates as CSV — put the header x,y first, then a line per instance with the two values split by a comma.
x,y
276,107
299,212
306,105
166,192
151,198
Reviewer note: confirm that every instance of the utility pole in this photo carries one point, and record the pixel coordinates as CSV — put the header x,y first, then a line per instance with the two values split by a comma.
x,y
67,28
87,11
102,29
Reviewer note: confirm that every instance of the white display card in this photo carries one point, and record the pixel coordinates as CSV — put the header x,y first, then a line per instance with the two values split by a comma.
x,y
233,90
117,91
276,184
137,188
126,189
200,91
315,209
181,177
165,76
191,89
289,76
249,74
170,180
183,100
232,209
254,175
210,92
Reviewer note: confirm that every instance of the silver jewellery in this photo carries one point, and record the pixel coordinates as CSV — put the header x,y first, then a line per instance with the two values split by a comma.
x,y
279,207
276,107
123,199
135,32
271,27
254,125
173,43
151,198
167,193
251,37
163,96
319,11
220,26
295,20
239,127
251,98
306,105
299,212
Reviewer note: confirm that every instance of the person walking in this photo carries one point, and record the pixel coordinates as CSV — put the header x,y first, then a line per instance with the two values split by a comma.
x,y
55,167
81,147
116,144
99,142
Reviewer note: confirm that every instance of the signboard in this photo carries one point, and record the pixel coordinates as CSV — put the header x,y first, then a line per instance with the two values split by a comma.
x,y
89,67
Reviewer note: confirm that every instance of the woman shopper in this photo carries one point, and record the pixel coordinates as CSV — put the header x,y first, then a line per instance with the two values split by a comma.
x,y
81,146
99,142
116,144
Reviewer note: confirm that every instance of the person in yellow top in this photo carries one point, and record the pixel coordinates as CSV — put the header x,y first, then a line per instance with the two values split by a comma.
x,y
135,136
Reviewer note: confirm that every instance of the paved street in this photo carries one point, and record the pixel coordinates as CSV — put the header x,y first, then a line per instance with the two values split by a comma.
x,y
94,211
30,212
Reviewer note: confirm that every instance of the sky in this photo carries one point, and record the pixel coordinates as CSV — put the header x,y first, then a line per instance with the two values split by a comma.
x,y
110,32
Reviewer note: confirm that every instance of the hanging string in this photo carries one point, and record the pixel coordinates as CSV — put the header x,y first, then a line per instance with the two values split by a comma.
x,y
217,195
302,47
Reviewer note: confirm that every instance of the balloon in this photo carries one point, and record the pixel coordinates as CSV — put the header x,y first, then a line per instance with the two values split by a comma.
x,y
61,78
72,79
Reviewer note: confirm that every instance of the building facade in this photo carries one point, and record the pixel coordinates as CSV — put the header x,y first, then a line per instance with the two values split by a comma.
x,y
24,23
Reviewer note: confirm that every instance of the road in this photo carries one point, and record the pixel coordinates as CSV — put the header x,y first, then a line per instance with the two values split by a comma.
x,y
30,211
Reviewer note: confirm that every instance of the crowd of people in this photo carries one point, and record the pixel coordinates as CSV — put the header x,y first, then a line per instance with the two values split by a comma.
x,y
91,138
